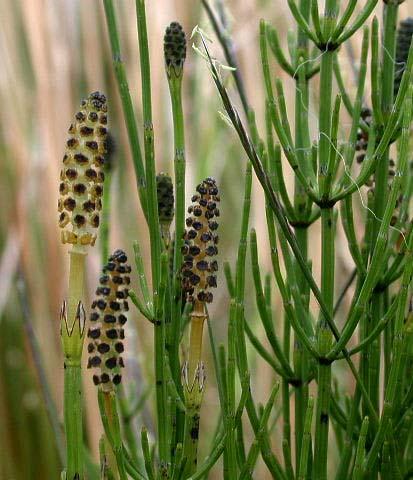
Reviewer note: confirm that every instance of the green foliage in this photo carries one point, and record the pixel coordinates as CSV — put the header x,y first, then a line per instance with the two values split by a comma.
x,y
314,424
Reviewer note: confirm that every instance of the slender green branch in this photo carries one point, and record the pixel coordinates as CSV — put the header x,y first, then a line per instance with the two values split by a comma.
x,y
306,443
226,43
129,114
358,22
150,174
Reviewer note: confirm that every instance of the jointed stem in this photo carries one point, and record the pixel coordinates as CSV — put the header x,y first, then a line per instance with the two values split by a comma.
x,y
301,206
324,343
72,333
73,420
154,230
175,88
130,119
193,388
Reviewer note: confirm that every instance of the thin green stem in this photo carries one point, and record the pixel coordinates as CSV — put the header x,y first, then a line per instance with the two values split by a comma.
x,y
160,375
73,420
324,343
150,174
110,419
358,464
175,89
303,473
128,112
395,369
150,471
358,22
154,231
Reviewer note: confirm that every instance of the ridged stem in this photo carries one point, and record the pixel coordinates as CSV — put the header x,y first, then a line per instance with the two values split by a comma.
x,y
154,230
175,89
174,334
324,334
301,206
72,332
127,106
324,343
152,200
73,420
396,362
162,406
241,350
380,201
306,442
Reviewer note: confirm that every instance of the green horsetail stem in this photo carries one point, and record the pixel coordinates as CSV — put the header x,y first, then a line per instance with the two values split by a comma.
x,y
174,57
79,206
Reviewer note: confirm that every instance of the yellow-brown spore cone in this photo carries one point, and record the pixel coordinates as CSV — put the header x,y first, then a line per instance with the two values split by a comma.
x,y
81,178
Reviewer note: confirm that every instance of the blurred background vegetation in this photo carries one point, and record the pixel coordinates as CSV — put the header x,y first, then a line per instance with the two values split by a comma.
x,y
54,52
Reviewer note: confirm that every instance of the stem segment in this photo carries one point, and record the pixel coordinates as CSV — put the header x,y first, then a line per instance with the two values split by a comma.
x,y
73,420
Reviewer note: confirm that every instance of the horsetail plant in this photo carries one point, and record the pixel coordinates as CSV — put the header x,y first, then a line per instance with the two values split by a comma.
x,y
323,179
174,57
79,204
198,277
372,426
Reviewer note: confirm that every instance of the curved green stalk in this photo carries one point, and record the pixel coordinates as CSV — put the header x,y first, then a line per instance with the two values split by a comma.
x,y
274,44
358,22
